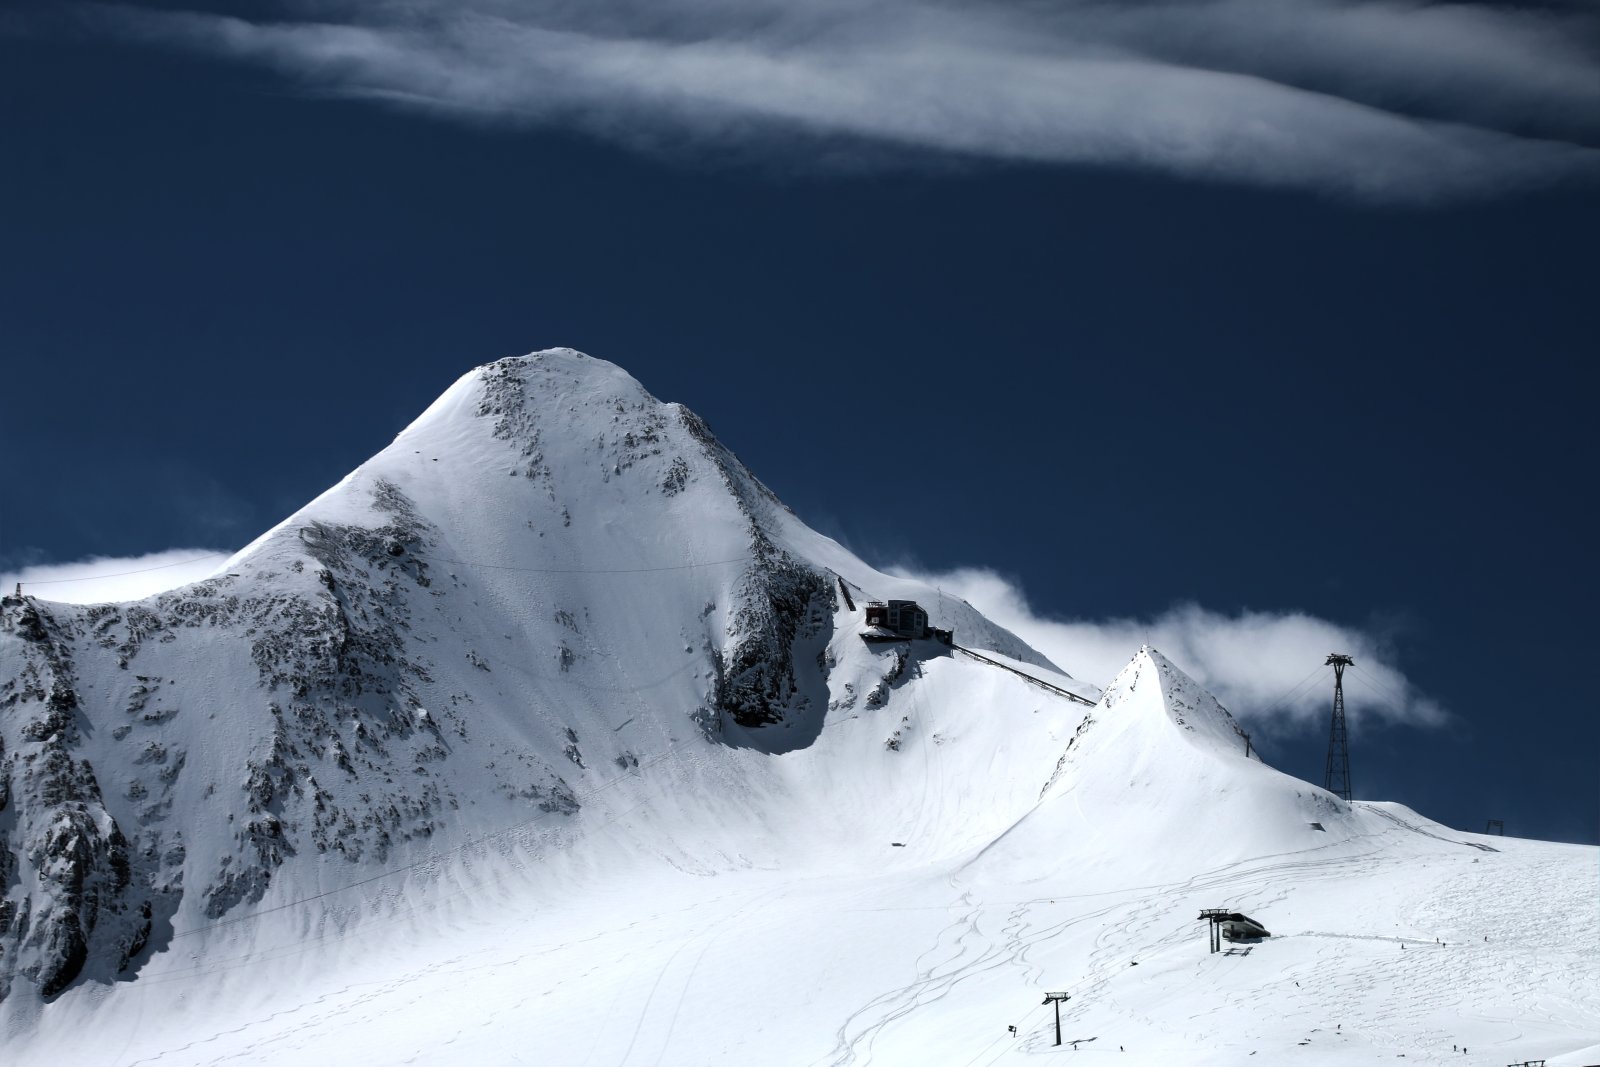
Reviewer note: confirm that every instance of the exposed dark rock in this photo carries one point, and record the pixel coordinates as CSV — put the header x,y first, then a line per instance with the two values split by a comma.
x,y
755,678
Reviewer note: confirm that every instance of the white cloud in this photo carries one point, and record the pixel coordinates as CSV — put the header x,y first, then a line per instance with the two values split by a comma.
x,y
103,579
1265,667
1370,98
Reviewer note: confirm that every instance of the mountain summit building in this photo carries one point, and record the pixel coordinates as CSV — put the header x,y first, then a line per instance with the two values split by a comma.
x,y
901,620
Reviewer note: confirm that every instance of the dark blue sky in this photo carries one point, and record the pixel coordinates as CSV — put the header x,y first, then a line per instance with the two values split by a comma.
x,y
219,293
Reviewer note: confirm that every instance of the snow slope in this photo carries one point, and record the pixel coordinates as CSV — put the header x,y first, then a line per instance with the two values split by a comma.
x,y
1160,769
547,736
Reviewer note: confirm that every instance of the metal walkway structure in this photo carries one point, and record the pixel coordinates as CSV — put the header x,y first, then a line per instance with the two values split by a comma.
x,y
1056,689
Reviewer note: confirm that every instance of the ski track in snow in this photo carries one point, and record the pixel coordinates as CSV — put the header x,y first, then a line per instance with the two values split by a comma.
x,y
930,984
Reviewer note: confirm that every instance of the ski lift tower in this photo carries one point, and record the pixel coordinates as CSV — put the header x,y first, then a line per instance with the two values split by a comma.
x,y
1337,779
1056,999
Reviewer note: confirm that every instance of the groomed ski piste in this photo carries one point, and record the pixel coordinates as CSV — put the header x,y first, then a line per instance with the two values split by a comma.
x,y
563,847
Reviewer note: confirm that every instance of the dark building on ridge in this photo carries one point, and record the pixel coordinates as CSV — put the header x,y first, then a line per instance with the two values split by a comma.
x,y
905,617
901,620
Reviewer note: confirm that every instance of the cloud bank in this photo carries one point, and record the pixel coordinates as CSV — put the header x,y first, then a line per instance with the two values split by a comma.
x,y
104,579
1375,99
1267,668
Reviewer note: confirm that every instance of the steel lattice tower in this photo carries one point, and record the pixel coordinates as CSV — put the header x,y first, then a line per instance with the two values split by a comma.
x,y
1337,780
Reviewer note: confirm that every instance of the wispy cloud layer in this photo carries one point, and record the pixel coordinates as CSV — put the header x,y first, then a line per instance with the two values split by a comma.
x,y
103,579
1379,99
1266,667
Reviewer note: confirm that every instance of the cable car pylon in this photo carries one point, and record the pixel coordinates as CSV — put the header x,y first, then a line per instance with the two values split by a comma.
x,y
1337,778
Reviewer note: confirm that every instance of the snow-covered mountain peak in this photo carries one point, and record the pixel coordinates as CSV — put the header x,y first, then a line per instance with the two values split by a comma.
x,y
559,445
1154,688
518,399
1158,777
1149,715
547,575
1157,748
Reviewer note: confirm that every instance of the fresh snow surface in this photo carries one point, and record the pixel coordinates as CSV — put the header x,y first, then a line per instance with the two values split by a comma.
x,y
585,863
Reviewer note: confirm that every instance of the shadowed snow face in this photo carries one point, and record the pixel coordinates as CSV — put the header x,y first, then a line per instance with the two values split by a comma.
x,y
1378,100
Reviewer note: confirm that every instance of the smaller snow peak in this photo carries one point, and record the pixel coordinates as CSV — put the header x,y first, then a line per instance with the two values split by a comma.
x,y
1145,663
1146,658
1174,680
1171,674
1163,687
1154,655
1149,724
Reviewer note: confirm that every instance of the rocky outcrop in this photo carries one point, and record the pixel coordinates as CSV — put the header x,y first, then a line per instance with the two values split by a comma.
x,y
85,894
782,604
